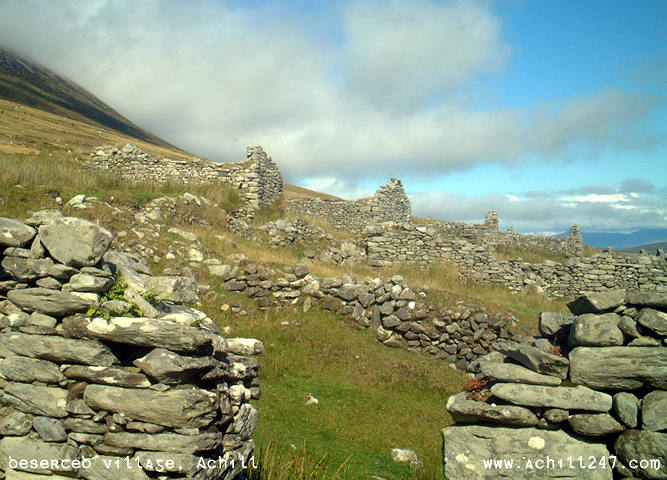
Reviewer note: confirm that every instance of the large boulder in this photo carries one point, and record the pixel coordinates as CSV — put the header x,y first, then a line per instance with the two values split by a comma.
x,y
14,233
597,302
596,330
566,398
53,302
619,368
467,450
654,411
648,299
75,241
654,320
632,446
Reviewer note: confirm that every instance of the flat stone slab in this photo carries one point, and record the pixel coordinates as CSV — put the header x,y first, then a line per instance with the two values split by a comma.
x,y
619,368
164,442
192,407
534,358
171,368
466,447
45,401
552,323
508,372
594,424
60,350
52,302
14,233
654,320
75,241
566,398
597,302
28,370
107,376
144,332
471,411
648,299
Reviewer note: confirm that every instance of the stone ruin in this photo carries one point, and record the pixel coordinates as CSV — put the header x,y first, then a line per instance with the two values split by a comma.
x,y
119,388
593,387
258,179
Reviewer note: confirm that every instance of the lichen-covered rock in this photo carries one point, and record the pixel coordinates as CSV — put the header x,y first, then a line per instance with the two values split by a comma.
x,y
597,302
53,302
654,320
189,407
594,424
470,411
75,241
14,233
171,368
596,330
60,350
534,358
619,368
508,372
654,411
567,398
466,447
638,445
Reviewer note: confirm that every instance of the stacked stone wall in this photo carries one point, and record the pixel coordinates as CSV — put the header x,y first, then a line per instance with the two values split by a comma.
x,y
570,246
604,271
258,179
612,413
388,204
116,389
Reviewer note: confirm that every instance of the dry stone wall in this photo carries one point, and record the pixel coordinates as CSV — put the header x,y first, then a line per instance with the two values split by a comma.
x,y
401,316
600,272
258,179
388,204
116,389
570,246
612,414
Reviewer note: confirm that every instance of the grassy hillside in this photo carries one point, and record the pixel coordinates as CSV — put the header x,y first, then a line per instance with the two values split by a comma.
x,y
30,84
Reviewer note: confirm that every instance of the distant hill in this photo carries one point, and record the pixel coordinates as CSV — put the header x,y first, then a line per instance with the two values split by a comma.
x,y
624,241
25,82
649,247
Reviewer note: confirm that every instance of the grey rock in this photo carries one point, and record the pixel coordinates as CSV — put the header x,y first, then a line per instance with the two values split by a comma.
x,y
52,302
642,444
144,332
41,320
165,442
654,320
534,358
191,407
594,424
626,408
60,350
596,330
471,411
26,269
300,270
566,398
245,346
46,401
176,289
118,307
551,323
556,415
597,302
133,297
219,270
654,411
129,267
507,372
14,233
82,425
75,241
171,368
402,455
15,424
24,369
34,450
44,217
390,321
50,429
644,342
648,299
50,283
107,376
82,282
99,471
62,272
619,368
629,327
465,447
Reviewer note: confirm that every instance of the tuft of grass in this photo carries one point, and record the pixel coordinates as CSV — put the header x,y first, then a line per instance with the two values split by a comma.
x,y
528,255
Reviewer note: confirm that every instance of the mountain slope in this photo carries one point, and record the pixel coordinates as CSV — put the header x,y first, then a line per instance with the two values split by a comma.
x,y
622,241
27,83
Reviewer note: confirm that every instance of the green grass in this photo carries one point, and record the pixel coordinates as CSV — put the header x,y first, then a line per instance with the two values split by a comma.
x,y
528,255
371,398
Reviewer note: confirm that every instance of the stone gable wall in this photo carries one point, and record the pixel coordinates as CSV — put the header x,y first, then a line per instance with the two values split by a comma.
x,y
581,274
388,204
258,178
570,246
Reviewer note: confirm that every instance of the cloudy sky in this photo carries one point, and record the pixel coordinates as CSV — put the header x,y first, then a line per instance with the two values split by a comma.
x,y
551,112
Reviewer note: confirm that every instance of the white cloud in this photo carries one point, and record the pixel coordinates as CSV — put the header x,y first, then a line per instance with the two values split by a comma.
x,y
596,198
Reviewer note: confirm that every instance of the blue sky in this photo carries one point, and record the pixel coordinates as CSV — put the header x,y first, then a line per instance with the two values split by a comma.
x,y
551,112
